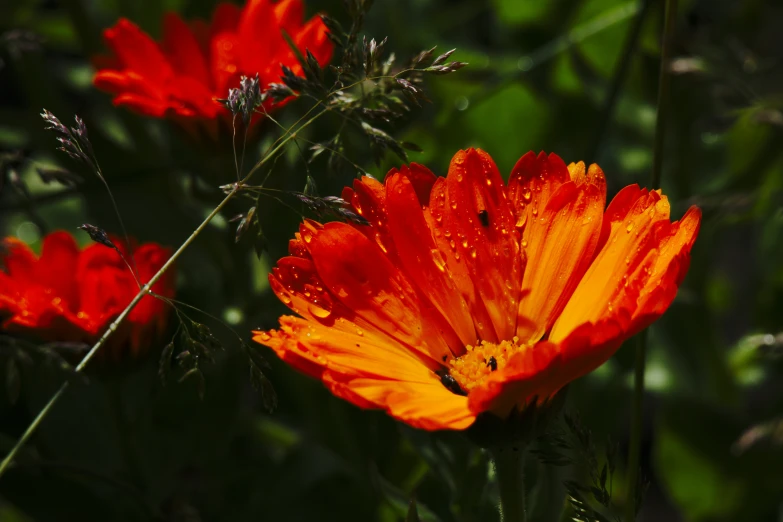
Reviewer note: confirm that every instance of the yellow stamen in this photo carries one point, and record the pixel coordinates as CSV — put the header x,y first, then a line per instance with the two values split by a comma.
x,y
478,362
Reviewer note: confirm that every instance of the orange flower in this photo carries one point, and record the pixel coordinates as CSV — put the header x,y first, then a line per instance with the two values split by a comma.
x,y
197,63
465,296
72,295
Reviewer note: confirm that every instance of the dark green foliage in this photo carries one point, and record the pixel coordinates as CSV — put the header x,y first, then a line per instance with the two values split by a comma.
x,y
540,77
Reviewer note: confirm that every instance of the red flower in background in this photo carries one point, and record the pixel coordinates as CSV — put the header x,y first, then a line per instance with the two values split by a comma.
x,y
72,295
197,63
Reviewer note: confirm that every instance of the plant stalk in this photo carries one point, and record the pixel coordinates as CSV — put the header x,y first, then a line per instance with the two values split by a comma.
x,y
112,327
146,289
510,472
620,72
637,414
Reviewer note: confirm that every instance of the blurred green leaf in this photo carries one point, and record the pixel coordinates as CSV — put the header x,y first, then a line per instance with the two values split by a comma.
x,y
398,499
693,455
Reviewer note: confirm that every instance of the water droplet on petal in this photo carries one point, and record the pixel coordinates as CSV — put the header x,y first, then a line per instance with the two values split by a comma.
x,y
321,313
437,257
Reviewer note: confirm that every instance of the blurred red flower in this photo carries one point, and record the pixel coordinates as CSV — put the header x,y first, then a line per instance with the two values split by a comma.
x,y
72,295
197,63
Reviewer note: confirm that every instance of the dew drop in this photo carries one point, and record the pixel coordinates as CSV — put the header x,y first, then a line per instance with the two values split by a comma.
x,y
527,195
321,313
437,257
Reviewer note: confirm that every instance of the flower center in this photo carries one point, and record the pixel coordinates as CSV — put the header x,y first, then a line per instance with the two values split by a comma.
x,y
478,362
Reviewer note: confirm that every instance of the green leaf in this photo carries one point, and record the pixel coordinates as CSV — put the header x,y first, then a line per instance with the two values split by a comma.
x,y
413,513
707,478
397,498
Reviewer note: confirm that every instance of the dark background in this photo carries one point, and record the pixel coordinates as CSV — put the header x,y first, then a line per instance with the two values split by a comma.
x,y
542,75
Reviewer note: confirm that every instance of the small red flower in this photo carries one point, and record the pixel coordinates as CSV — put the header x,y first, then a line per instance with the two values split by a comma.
x,y
70,295
197,63
465,295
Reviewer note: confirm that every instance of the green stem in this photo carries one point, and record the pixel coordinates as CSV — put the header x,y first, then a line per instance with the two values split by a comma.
x,y
620,72
634,450
510,472
663,93
144,291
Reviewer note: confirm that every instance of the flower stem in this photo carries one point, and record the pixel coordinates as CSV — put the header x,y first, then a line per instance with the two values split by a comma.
x,y
112,327
146,289
620,72
637,416
510,472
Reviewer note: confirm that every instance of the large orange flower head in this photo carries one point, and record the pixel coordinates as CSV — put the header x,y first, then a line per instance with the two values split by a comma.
x,y
198,63
465,295
71,295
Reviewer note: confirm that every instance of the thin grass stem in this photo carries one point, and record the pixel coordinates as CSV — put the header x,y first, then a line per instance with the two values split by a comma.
x,y
637,413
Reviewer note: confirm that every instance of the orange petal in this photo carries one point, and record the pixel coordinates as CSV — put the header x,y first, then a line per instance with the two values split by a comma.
x,y
533,181
438,219
368,199
527,375
225,59
183,50
289,15
668,271
635,225
430,407
420,258
369,374
313,37
359,275
138,52
559,241
297,284
348,353
481,224
258,36
57,265
142,105
590,345
19,260
224,19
